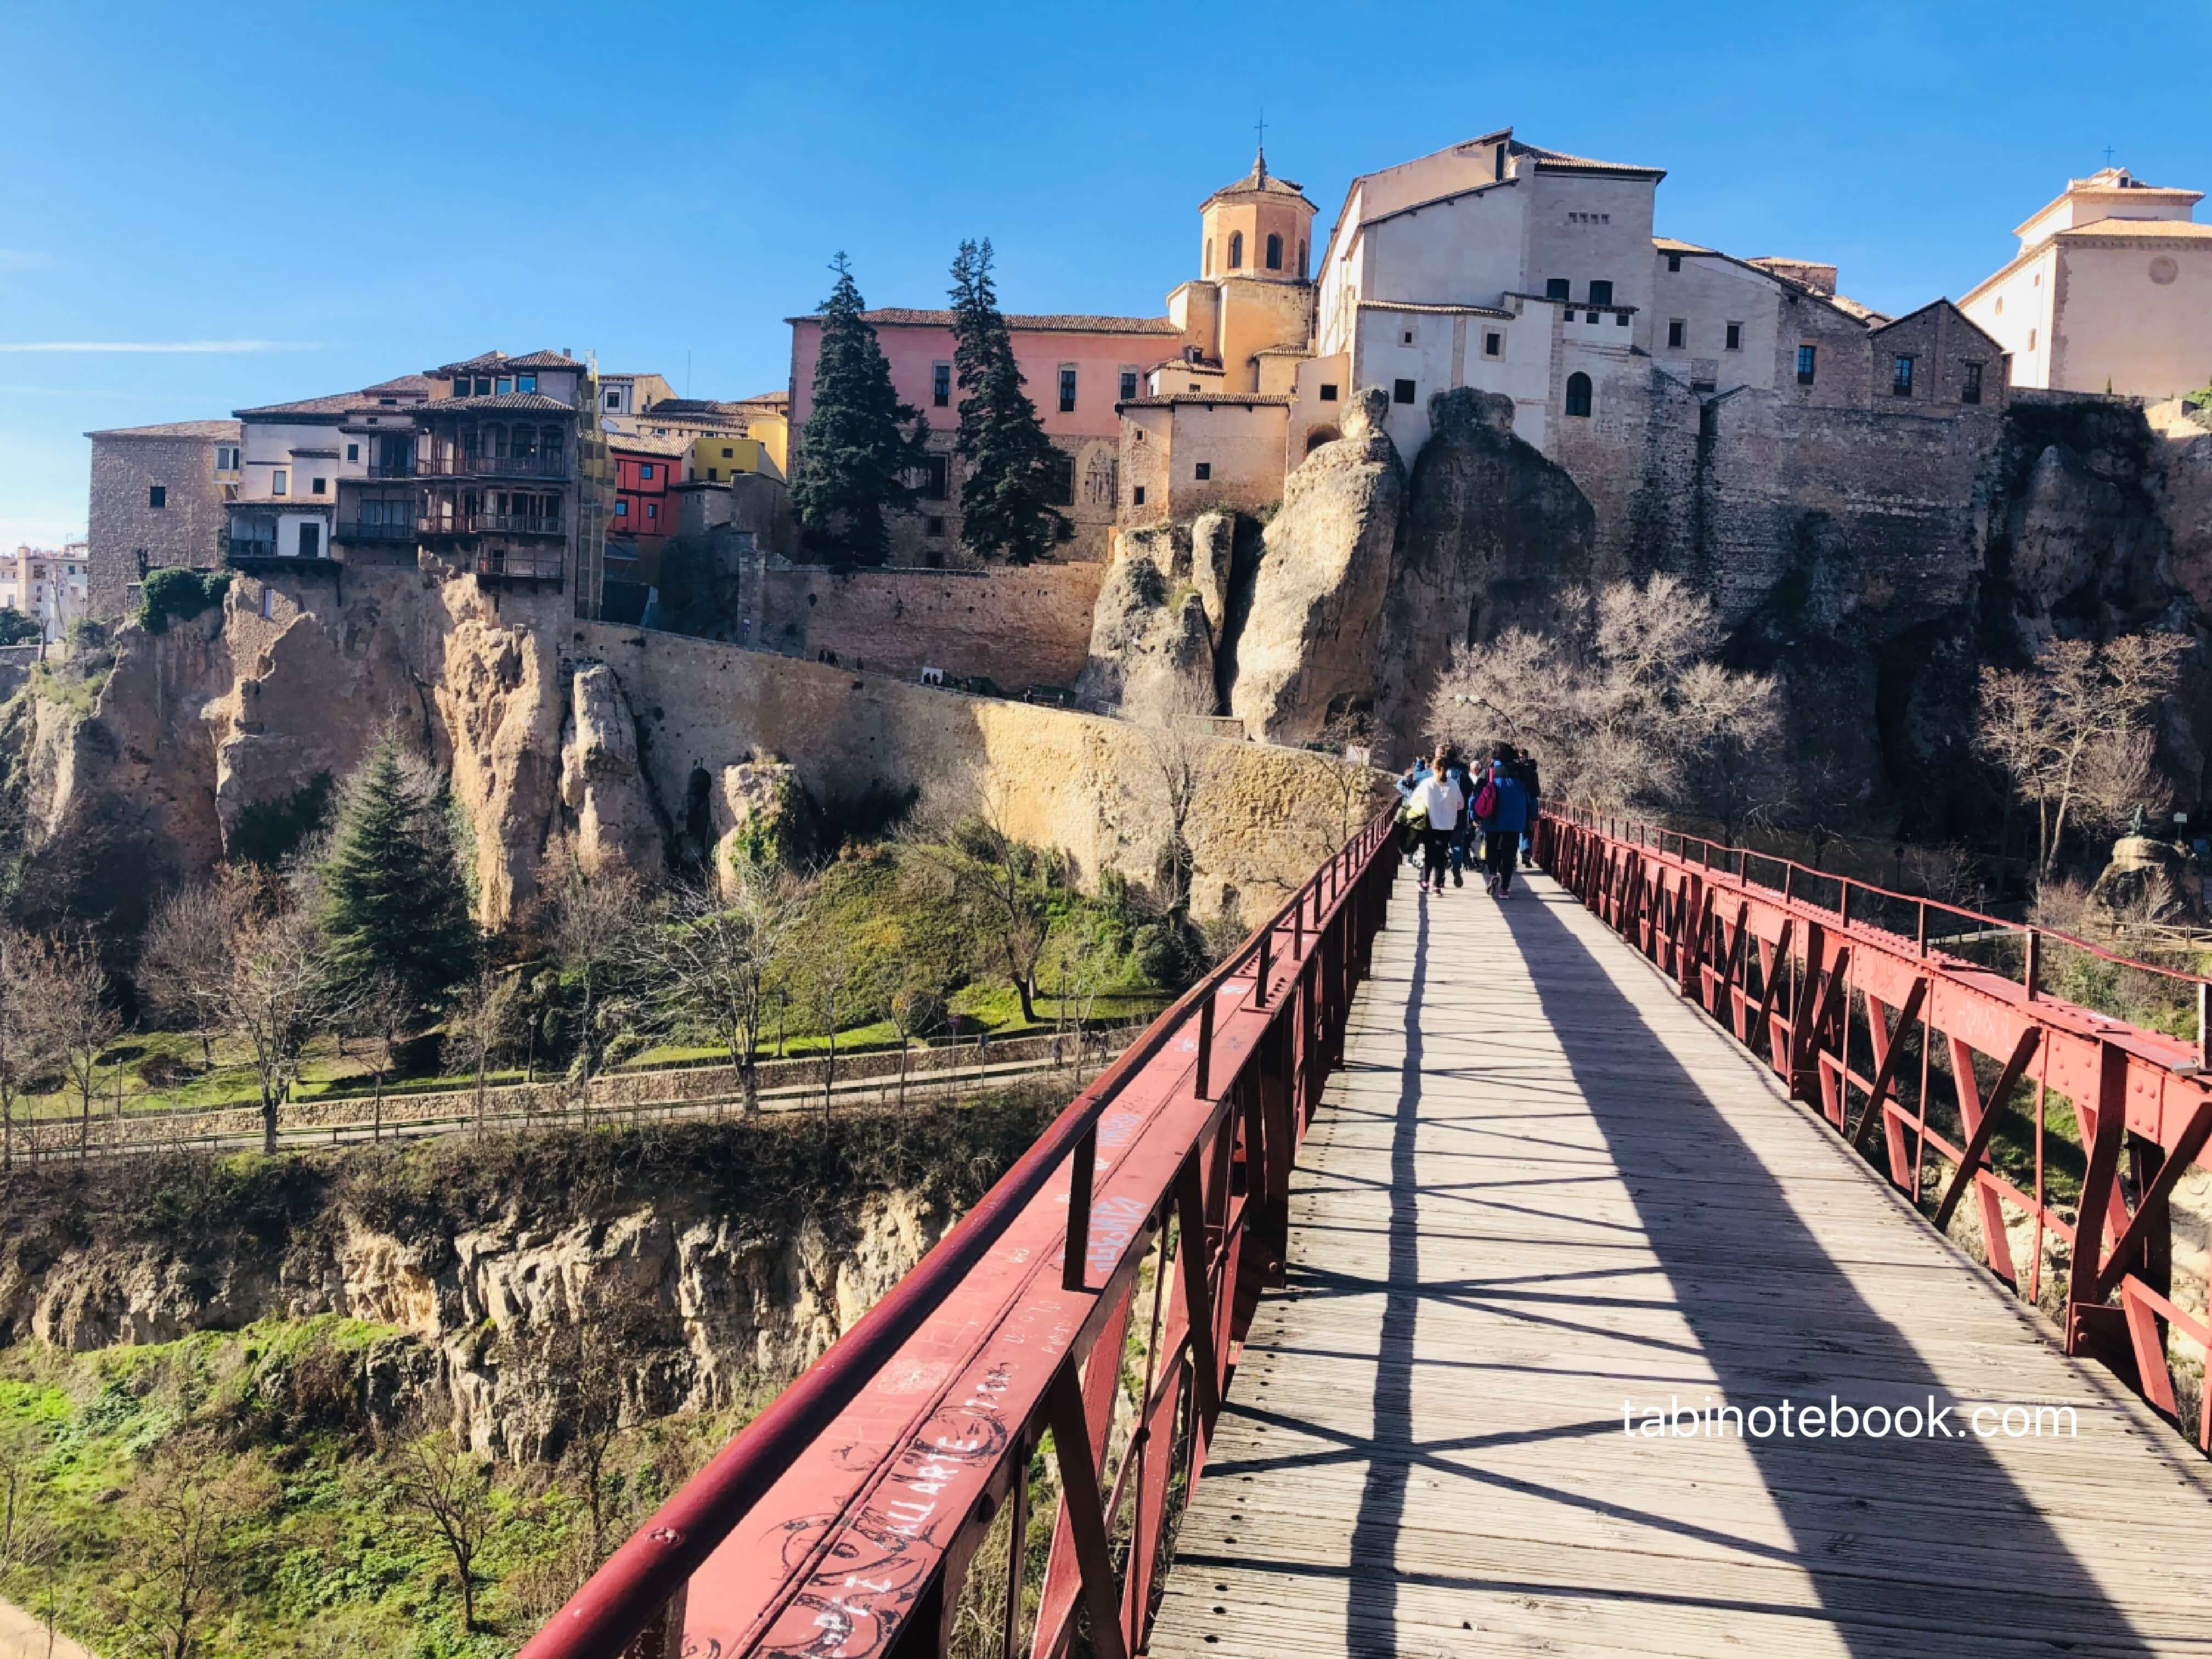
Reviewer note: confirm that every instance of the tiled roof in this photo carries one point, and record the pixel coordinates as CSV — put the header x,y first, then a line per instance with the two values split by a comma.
x,y
778,399
1259,180
637,443
678,408
542,360
211,429
492,362
317,454
1245,399
1558,161
2186,230
1282,351
1867,314
1448,311
500,400
484,360
1676,244
1183,362
417,386
1054,322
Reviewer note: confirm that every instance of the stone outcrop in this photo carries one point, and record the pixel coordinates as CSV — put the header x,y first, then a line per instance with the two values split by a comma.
x,y
2151,880
758,810
1152,630
1313,628
616,826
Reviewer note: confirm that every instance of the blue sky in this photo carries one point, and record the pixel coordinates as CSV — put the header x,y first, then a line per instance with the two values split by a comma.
x,y
333,195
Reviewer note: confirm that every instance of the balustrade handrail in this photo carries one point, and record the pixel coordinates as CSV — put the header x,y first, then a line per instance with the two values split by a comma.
x,y
492,466
1817,988
1345,896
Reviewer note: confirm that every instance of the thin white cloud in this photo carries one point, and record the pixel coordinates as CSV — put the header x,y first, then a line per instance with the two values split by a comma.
x,y
161,345
22,258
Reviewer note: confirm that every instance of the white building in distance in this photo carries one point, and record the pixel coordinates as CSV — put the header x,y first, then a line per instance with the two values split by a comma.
x,y
48,586
2112,291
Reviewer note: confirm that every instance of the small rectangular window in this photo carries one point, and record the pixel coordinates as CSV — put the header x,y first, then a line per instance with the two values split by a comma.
x,y
1066,390
353,451
653,509
1900,377
1401,392
1620,319
1601,293
933,478
1734,341
279,483
1128,385
483,385
1493,345
506,385
1970,388
1405,336
933,526
1204,470
940,385
526,383
1137,496
1590,316
621,509
321,486
614,400
1327,392
714,474
1673,262
1555,287
157,495
226,458
645,473
730,455
1807,356
1678,332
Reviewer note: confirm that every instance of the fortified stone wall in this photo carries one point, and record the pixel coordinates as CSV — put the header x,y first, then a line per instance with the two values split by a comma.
x,y
1020,625
1264,818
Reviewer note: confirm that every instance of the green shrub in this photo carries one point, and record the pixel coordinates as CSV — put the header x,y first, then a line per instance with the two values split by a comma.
x,y
269,830
168,594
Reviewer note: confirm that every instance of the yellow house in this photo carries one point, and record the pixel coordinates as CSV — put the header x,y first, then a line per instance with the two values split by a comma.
x,y
717,458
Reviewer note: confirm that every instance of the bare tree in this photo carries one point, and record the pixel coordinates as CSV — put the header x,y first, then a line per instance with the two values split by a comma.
x,y
2072,733
593,1363
185,963
710,957
831,982
481,1021
446,1489
77,1017
1004,884
1183,757
25,1040
915,1008
22,1447
183,1524
281,996
594,917
1623,706
379,1014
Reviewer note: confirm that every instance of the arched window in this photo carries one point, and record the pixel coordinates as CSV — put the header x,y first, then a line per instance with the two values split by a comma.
x,y
1578,395
1237,250
1208,271
1274,252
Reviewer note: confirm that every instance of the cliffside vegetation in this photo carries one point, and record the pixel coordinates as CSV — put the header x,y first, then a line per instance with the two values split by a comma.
x,y
315,1449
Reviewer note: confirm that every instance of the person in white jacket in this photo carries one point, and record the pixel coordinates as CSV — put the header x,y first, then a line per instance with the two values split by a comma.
x,y
1438,802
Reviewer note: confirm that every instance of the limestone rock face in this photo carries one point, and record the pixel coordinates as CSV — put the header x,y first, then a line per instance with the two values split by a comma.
x,y
1213,552
1494,533
741,1302
1313,631
599,779
2151,880
758,809
2069,520
2185,499
1151,637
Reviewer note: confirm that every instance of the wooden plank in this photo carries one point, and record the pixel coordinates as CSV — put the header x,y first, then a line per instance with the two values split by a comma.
x,y
1546,1182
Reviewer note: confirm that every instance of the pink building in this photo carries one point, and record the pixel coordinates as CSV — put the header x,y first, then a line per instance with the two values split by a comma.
x,y
1076,368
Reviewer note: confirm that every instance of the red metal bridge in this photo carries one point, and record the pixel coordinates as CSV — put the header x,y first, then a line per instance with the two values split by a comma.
x,y
1431,1281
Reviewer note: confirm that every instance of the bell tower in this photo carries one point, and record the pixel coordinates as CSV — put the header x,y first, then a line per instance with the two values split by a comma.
x,y
1259,227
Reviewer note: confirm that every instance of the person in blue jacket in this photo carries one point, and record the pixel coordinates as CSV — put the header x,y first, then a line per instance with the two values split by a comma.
x,y
1501,807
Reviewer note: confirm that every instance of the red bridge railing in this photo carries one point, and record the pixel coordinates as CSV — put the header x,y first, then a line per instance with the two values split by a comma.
x,y
1852,1000
852,1517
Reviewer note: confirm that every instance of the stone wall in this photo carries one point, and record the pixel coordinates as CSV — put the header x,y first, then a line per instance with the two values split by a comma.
x,y
121,523
1020,625
1264,817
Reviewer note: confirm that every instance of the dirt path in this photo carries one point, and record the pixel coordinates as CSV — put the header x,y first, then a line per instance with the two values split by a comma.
x,y
22,1637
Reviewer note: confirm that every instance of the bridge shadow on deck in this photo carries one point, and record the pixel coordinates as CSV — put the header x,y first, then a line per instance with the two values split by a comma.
x,y
1919,1502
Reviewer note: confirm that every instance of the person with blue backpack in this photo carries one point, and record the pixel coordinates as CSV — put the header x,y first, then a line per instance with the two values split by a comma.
x,y
1501,808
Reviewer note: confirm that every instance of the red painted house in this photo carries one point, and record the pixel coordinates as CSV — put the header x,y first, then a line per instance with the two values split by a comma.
x,y
645,468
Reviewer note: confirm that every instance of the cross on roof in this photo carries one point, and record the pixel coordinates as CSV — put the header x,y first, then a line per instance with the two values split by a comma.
x,y
2108,155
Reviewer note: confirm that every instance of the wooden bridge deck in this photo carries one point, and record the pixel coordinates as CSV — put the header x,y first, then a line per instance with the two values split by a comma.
x,y
1543,1185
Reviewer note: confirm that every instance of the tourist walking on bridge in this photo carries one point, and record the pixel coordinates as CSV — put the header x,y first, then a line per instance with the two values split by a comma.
x,y
1501,808
1436,803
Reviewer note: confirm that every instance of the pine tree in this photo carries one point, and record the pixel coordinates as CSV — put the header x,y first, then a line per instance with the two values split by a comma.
x,y
394,901
1008,483
854,457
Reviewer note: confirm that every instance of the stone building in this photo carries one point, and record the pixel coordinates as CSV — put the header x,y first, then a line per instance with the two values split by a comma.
x,y
2110,291
158,500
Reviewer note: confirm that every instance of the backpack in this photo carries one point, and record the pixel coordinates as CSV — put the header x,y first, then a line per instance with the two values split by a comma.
x,y
1485,799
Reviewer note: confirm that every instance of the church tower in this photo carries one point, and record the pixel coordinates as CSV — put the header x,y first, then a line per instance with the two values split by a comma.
x,y
1247,317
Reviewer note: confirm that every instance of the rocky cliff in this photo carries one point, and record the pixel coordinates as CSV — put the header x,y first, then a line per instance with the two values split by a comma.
x,y
739,1249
